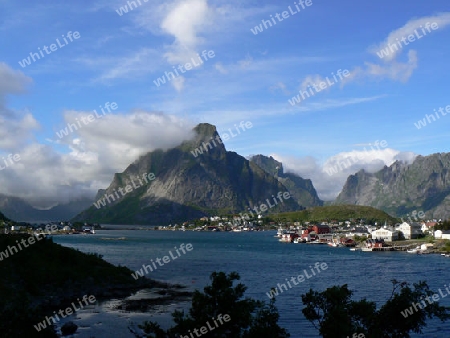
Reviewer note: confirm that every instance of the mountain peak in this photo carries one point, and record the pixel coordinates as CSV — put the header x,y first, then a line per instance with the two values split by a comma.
x,y
205,129
302,190
269,164
197,178
206,138
401,188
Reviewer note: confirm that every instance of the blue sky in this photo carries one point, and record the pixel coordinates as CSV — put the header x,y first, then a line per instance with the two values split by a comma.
x,y
118,58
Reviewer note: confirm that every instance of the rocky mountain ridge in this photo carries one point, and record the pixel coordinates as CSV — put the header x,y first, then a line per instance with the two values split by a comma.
x,y
423,185
189,184
301,189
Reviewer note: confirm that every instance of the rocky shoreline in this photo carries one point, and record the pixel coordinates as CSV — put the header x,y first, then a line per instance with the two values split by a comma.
x,y
121,316
46,283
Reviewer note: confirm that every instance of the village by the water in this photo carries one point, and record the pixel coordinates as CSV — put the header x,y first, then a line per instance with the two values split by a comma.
x,y
412,235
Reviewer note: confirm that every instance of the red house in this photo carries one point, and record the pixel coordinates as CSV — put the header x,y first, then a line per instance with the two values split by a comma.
x,y
321,229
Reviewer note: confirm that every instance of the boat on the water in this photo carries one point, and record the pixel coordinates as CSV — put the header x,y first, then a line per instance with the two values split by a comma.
x,y
413,251
280,232
289,237
376,245
335,243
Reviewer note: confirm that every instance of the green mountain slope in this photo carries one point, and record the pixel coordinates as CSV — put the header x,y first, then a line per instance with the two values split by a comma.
x,y
338,213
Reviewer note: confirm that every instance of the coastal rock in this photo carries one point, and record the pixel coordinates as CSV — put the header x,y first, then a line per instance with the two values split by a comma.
x,y
69,328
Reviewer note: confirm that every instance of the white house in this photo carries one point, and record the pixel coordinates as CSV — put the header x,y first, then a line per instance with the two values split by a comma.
x,y
425,228
442,234
410,231
386,234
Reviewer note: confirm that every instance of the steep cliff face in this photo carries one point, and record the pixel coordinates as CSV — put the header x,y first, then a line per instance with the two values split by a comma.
x,y
423,185
302,190
187,184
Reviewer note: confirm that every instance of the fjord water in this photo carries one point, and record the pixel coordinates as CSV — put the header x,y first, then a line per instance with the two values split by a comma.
x,y
263,262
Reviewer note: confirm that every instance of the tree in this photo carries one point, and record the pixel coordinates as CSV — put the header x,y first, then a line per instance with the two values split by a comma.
x,y
247,318
335,315
445,225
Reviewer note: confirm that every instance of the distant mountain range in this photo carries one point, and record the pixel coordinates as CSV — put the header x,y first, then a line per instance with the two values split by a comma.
x,y
18,210
190,184
200,178
402,188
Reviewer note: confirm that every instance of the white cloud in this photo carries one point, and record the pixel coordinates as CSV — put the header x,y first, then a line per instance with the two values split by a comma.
x,y
15,130
442,20
220,68
12,82
130,66
311,80
390,67
119,139
15,126
94,152
396,71
178,83
185,21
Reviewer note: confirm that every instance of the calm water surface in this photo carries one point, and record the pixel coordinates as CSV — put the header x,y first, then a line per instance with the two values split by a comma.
x,y
263,262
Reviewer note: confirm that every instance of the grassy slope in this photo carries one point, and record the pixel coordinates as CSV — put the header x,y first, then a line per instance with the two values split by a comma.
x,y
338,213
